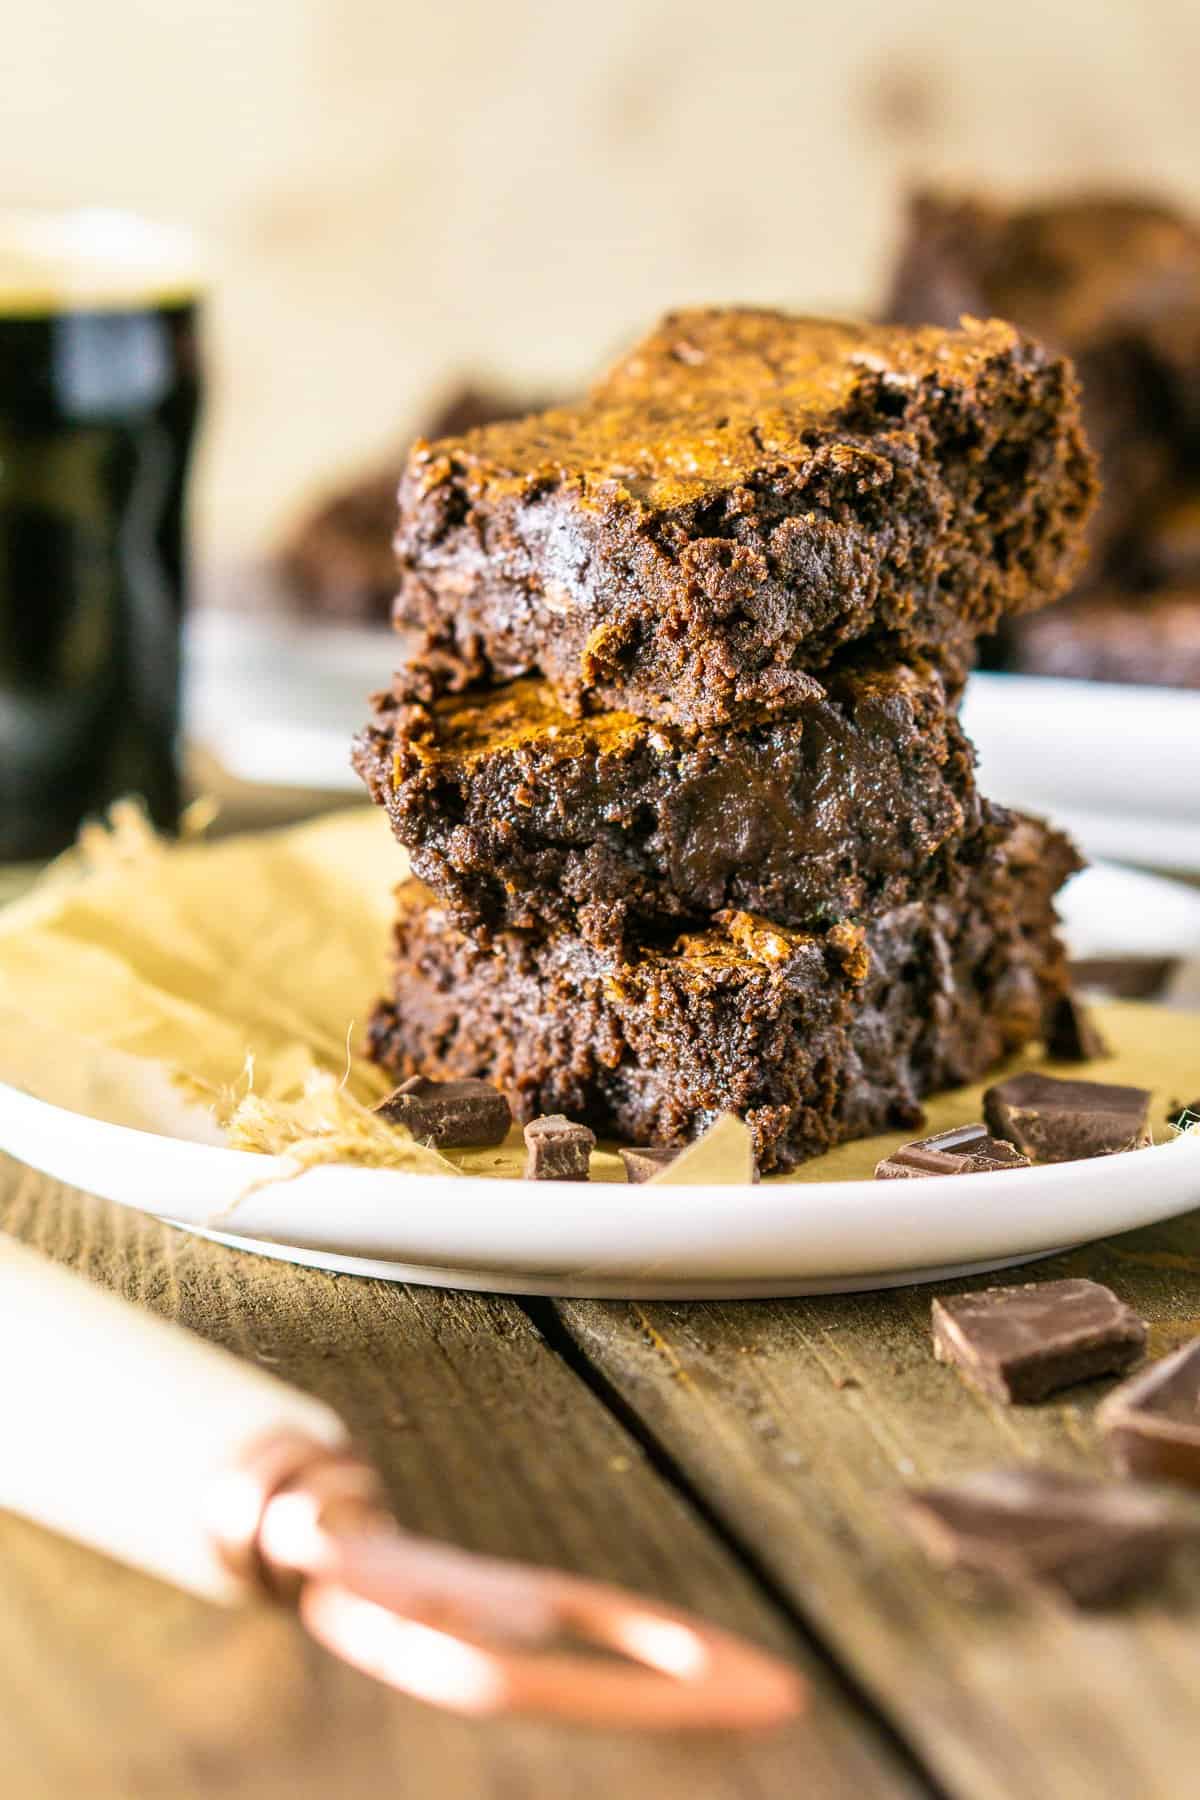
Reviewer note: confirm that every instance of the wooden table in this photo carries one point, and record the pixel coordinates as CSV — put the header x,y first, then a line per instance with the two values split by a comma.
x,y
737,1458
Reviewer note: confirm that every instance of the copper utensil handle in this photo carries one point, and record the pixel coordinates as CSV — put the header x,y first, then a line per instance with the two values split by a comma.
x,y
136,1437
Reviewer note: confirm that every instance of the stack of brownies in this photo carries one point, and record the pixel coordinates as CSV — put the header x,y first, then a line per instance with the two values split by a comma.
x,y
679,765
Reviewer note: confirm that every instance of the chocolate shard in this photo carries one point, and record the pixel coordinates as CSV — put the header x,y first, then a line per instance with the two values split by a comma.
x,y
461,1114
557,1150
1060,1121
644,1165
1124,977
1087,1541
1018,1344
1070,1032
965,1150
1151,1424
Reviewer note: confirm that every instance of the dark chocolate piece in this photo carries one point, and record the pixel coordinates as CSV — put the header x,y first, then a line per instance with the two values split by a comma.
x,y
1087,1541
1018,1344
1061,1121
557,1150
644,1165
742,496
1152,1423
965,1150
1071,1034
1124,977
458,1113
812,1037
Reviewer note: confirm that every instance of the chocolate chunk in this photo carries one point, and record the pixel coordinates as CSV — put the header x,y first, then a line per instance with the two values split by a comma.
x,y
966,1150
1152,1423
1089,1541
460,1113
557,1150
1125,977
1019,1344
1060,1121
643,1165
1070,1033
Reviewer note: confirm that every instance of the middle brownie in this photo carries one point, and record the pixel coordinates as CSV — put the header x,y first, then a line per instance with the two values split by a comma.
x,y
520,816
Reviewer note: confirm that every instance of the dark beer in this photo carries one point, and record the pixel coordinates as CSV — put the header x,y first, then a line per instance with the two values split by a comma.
x,y
99,389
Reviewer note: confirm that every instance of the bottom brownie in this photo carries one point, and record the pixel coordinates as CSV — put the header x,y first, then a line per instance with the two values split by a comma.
x,y
812,1037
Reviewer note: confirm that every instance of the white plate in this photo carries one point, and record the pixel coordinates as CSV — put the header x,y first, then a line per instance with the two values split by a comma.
x,y
277,701
569,1238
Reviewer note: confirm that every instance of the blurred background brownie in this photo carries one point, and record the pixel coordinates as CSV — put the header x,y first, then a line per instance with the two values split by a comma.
x,y
1114,281
338,563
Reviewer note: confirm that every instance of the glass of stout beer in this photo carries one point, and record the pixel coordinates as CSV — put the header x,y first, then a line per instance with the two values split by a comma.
x,y
99,393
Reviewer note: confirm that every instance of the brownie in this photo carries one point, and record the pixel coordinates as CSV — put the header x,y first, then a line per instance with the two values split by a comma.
x,y
339,562
518,815
812,1037
1113,635
1111,280
744,495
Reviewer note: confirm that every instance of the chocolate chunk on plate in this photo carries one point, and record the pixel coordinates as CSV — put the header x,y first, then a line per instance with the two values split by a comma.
x,y
557,1150
1152,1423
965,1150
1061,1121
1071,1034
460,1114
1018,1344
1088,1541
644,1165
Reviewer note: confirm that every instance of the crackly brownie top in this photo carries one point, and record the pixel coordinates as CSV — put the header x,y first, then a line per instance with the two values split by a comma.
x,y
712,396
1073,270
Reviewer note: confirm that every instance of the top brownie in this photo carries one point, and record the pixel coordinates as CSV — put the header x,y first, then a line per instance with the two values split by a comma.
x,y
1113,281
739,498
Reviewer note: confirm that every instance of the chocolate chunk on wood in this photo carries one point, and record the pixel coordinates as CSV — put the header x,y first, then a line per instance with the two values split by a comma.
x,y
1060,1121
965,1150
1070,1032
644,1165
463,1114
1088,1541
557,1150
1152,1423
1019,1344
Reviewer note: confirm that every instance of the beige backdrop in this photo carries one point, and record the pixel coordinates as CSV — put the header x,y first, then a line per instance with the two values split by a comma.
x,y
397,192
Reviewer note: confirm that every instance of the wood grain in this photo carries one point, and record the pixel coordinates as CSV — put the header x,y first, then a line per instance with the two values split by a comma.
x,y
112,1685
798,1421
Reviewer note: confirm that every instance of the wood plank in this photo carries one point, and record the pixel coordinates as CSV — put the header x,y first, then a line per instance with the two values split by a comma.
x,y
111,1684
796,1421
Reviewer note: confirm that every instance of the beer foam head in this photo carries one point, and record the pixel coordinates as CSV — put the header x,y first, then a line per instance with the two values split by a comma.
x,y
94,258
